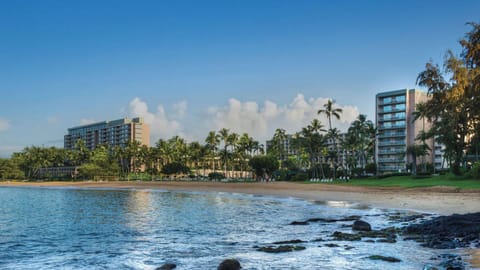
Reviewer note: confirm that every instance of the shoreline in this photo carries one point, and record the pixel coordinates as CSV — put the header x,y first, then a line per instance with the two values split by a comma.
x,y
439,200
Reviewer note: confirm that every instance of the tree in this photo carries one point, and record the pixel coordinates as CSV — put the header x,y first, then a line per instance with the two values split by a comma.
x,y
263,166
101,163
329,111
224,136
212,142
277,144
416,151
175,168
454,104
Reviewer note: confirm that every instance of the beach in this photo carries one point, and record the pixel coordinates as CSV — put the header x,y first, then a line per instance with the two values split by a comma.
x,y
439,200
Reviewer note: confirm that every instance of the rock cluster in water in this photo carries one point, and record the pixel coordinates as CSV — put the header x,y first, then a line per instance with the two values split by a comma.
x,y
446,232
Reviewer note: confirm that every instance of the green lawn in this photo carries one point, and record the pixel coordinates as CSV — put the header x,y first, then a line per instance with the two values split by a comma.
x,y
410,182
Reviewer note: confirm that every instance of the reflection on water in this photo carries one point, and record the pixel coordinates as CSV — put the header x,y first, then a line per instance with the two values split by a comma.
x,y
128,229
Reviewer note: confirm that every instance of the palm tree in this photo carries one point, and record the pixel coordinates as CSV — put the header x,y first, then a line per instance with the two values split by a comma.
x,y
416,151
278,140
421,112
195,151
212,142
224,136
330,112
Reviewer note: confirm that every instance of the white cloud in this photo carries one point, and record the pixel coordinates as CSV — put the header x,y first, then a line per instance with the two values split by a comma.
x,y
86,121
161,125
260,121
257,119
180,109
4,124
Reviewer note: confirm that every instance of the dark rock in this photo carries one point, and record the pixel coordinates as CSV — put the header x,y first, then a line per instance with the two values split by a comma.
x,y
369,241
384,258
296,241
318,240
349,247
280,249
332,220
339,236
386,240
331,245
299,223
389,232
360,225
229,264
446,232
167,266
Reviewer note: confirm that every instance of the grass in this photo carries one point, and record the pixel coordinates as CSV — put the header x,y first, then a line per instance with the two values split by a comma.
x,y
411,182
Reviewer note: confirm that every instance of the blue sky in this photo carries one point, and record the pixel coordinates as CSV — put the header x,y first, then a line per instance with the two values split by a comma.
x,y
192,66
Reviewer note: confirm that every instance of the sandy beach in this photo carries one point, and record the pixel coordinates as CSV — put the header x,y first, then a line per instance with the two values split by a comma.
x,y
441,200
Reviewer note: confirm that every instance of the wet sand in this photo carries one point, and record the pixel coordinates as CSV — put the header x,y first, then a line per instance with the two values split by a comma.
x,y
441,200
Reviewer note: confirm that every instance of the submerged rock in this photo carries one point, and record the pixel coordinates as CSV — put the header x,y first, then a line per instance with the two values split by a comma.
x,y
280,249
229,264
296,241
299,223
325,220
360,225
167,266
384,258
339,236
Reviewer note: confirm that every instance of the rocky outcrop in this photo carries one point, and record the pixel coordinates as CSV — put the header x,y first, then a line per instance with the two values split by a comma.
x,y
446,232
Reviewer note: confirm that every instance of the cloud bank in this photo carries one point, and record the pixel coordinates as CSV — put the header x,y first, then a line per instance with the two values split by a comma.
x,y
161,124
257,119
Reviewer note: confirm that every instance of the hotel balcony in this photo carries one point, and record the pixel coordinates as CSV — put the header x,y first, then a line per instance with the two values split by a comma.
x,y
381,127
392,101
383,119
394,152
392,134
390,160
391,143
381,110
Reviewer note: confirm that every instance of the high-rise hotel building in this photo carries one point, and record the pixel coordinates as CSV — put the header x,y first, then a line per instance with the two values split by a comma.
x,y
397,129
114,133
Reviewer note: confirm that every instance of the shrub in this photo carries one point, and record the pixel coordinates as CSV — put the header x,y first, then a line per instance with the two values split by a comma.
x,y
476,170
216,176
300,177
371,168
392,174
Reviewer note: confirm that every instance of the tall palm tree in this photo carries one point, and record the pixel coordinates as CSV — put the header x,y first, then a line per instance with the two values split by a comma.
x,y
212,142
233,140
195,151
421,112
224,136
278,140
329,111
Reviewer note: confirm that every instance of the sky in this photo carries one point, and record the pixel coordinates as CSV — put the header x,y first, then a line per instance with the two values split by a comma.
x,y
189,67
